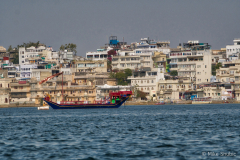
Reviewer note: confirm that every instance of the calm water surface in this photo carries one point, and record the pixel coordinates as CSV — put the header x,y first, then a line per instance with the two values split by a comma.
x,y
131,132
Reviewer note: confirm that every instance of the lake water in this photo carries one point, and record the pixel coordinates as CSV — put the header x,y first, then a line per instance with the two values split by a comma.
x,y
132,132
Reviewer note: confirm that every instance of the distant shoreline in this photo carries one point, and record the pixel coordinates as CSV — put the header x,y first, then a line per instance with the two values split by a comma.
x,y
142,103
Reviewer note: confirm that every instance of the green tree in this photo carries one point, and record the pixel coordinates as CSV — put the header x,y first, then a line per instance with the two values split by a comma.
x,y
173,73
16,59
9,48
109,65
141,94
70,46
112,75
215,67
41,102
219,65
128,72
62,48
120,76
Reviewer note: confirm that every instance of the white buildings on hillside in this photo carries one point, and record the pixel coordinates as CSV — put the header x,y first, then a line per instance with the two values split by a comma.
x,y
26,71
30,55
65,56
101,54
235,48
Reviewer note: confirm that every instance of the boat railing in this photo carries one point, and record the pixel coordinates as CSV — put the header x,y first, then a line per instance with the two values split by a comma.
x,y
84,102
73,102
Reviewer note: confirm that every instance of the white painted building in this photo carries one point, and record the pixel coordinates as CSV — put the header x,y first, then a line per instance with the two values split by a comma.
x,y
235,48
30,55
65,56
101,54
26,70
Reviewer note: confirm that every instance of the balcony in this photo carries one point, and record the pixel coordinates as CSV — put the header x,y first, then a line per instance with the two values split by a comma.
x,y
19,96
19,90
34,89
13,84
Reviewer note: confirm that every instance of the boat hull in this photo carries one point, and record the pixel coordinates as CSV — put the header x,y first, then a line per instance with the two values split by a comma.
x,y
85,106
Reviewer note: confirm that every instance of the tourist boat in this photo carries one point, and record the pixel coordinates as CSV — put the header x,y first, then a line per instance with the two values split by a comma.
x,y
202,100
115,100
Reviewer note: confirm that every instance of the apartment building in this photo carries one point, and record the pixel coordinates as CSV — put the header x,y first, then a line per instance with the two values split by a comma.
x,y
216,90
30,55
91,66
235,48
194,61
132,62
13,71
146,81
230,72
26,70
101,54
66,56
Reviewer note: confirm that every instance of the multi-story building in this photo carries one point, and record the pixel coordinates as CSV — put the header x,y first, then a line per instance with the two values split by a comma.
x,y
216,90
13,71
123,62
40,74
146,81
101,54
91,66
26,71
194,61
71,91
20,91
230,72
235,48
30,55
172,88
66,56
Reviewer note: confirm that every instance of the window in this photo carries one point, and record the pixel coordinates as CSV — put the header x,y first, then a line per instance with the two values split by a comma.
x,y
22,61
205,66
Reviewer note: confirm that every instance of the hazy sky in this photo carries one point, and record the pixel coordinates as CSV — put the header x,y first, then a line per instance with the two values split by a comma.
x,y
89,23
